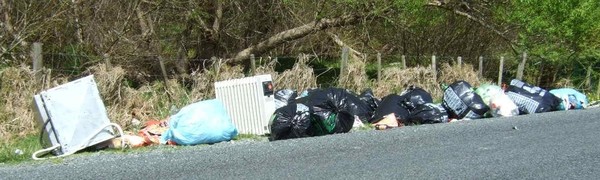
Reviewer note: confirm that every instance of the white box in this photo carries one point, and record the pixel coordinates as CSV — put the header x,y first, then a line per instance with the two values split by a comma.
x,y
71,114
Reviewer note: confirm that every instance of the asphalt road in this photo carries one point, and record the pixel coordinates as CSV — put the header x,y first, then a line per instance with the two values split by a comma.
x,y
556,145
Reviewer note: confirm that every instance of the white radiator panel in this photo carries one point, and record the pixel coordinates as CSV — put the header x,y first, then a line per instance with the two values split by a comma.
x,y
249,101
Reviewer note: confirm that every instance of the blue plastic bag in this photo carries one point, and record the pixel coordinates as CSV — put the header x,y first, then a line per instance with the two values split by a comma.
x,y
202,122
570,98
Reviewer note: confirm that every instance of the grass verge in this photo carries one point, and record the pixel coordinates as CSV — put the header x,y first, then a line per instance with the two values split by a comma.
x,y
19,150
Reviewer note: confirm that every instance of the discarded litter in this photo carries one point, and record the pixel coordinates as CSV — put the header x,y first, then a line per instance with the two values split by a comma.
x,y
152,131
389,121
415,96
391,104
72,117
461,102
570,98
428,113
126,141
291,121
18,152
284,97
500,104
531,99
329,101
203,122
249,102
369,98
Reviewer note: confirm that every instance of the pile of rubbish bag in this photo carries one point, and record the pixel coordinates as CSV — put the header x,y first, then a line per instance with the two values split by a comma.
x,y
318,112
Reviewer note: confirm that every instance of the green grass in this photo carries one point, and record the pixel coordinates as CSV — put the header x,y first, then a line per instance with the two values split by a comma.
x,y
593,97
249,137
27,145
366,127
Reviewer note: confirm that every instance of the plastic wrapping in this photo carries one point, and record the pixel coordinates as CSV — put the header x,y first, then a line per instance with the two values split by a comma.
x,y
531,99
428,113
414,96
202,122
284,97
392,103
369,98
488,91
291,121
461,102
570,98
340,122
500,104
329,101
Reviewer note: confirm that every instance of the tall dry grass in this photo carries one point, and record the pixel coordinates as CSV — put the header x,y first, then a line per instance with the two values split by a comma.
x,y
354,77
301,77
451,73
17,87
158,99
396,80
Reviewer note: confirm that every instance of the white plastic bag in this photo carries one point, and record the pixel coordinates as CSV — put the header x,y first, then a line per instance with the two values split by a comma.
x,y
500,104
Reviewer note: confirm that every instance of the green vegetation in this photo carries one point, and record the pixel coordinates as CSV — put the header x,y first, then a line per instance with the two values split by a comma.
x,y
19,149
251,137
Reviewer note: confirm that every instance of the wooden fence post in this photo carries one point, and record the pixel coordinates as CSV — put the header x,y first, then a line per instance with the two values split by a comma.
x,y
480,71
459,59
106,57
216,66
252,65
163,69
403,62
378,67
500,71
521,67
598,87
433,66
344,64
588,78
36,57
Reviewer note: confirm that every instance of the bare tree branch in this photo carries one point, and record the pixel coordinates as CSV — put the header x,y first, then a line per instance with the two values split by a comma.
x,y
444,5
439,4
142,21
338,41
293,34
218,16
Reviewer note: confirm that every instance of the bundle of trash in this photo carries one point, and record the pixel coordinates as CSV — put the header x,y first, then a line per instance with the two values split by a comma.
x,y
203,122
314,112
319,112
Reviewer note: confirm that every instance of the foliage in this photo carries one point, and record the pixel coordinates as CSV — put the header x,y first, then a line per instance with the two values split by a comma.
x,y
19,149
560,31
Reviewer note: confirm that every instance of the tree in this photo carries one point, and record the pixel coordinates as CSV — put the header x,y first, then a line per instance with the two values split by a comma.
x,y
560,33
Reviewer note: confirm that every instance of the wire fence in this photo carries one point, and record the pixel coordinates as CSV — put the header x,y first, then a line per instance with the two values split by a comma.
x,y
73,64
